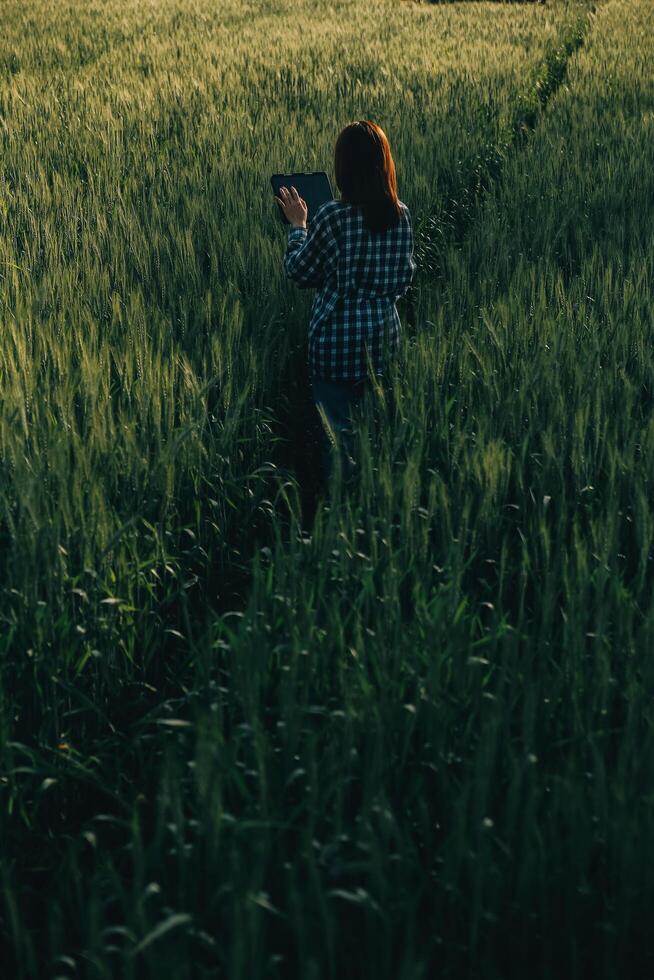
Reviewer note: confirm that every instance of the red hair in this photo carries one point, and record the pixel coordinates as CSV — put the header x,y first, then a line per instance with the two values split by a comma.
x,y
365,174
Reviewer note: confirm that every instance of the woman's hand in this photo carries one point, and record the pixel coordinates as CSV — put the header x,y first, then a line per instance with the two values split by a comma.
x,y
293,206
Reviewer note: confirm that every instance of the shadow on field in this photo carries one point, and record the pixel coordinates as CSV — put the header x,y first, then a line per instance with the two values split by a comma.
x,y
298,426
298,449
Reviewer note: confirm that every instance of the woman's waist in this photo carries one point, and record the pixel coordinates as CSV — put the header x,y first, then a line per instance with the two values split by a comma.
x,y
355,318
329,302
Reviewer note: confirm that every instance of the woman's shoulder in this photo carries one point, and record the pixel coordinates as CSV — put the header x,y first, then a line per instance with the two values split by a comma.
x,y
328,208
328,213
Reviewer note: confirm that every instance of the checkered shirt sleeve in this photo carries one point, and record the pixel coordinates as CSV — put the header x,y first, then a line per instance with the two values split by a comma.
x,y
309,253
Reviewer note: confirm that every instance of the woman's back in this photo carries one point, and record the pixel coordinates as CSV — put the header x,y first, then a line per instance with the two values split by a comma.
x,y
360,275
370,265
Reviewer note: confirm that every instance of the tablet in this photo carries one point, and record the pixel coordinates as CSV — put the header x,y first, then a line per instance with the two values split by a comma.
x,y
313,187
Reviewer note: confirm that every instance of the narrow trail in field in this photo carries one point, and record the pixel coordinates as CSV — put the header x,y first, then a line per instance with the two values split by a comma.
x,y
450,223
296,454
442,229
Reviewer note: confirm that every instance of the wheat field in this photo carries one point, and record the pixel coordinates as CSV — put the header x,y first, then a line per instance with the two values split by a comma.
x,y
411,737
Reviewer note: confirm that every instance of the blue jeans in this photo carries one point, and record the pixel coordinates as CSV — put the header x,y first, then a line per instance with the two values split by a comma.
x,y
336,399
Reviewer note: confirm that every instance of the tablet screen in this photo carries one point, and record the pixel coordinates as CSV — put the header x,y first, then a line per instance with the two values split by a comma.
x,y
313,187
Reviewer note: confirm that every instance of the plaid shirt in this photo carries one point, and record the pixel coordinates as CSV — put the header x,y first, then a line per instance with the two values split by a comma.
x,y
359,276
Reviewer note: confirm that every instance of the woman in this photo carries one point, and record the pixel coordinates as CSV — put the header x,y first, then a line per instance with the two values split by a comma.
x,y
359,253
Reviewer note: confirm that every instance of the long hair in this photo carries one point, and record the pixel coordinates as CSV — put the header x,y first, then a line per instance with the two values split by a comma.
x,y
365,174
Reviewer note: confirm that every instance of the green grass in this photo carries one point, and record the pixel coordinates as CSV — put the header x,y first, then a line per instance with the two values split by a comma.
x,y
141,261
418,743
